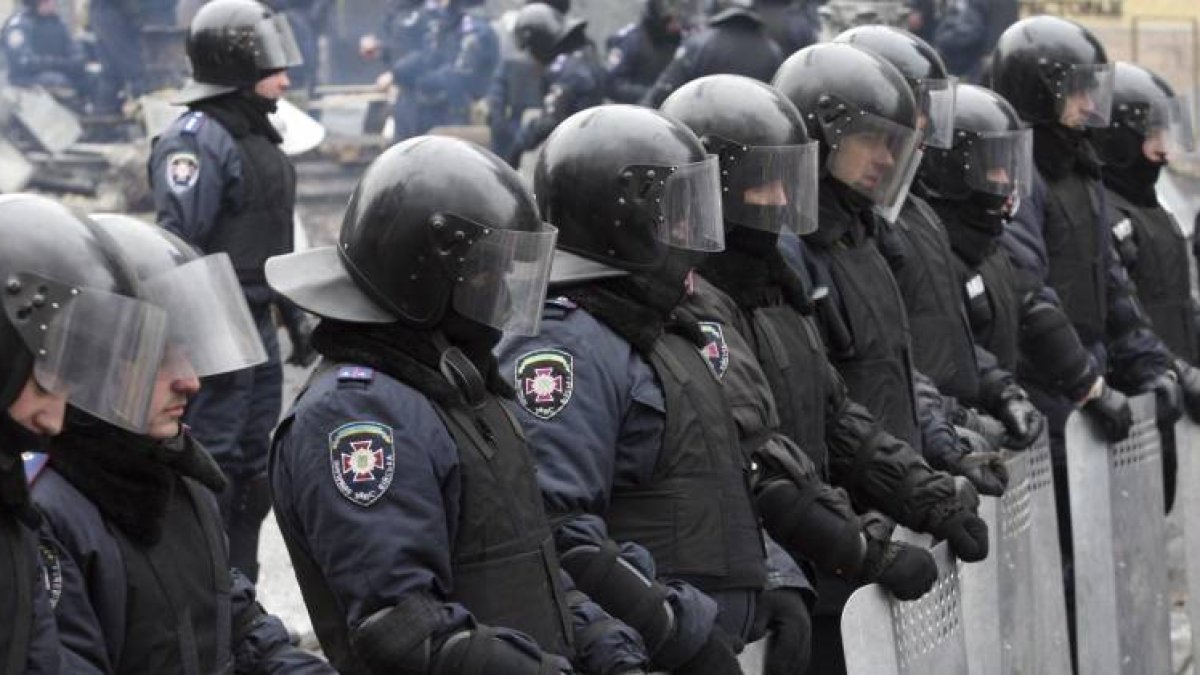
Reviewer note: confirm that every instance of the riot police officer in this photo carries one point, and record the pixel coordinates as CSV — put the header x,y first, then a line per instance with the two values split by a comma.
x,y
66,335
918,251
1149,125
133,507
769,181
447,71
735,42
639,52
39,49
400,461
573,77
863,113
307,19
968,31
221,183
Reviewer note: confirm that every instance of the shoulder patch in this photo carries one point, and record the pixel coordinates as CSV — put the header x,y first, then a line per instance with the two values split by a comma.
x,y
975,287
615,57
545,380
16,38
715,350
34,463
362,457
1123,229
52,576
183,171
193,122
355,374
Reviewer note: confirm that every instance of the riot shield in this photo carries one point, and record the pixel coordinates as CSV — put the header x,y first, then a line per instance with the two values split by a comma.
x,y
885,636
1051,646
48,122
998,591
1119,531
1187,505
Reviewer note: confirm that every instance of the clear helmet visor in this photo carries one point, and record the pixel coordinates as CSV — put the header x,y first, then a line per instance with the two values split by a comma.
x,y
210,323
691,217
875,157
1001,163
890,212
935,101
101,350
276,44
1085,95
1168,122
503,277
773,188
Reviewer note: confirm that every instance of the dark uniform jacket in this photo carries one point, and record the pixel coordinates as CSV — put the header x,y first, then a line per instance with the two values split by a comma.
x,y
36,46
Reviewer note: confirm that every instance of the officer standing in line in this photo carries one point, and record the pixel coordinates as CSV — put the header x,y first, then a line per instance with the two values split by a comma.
x,y
573,78
863,113
400,461
222,184
735,42
639,52
56,275
1149,125
118,26
404,28
448,70
133,506
39,49
964,379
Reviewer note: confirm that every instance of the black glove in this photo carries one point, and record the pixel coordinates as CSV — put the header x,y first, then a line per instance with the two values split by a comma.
x,y
966,533
1168,399
990,429
783,613
1022,421
979,464
1189,381
716,657
1111,409
906,571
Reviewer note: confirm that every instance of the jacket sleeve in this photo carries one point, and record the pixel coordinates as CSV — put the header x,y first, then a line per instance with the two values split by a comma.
x,y
603,644
623,86
681,70
565,96
1136,355
194,176
467,76
260,640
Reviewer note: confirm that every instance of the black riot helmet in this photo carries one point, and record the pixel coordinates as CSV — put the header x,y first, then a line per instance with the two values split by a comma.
x,y
768,164
992,154
563,6
541,30
232,44
719,11
862,111
1144,106
1046,66
921,65
70,316
211,330
435,223
625,185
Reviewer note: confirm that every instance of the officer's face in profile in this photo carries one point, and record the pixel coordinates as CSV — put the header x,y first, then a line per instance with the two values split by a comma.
x,y
273,86
1154,148
863,161
767,194
175,384
1077,109
38,410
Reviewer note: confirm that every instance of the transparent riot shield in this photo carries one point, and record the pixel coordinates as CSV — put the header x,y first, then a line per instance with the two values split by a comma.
x,y
1051,646
998,591
1119,531
1187,506
885,636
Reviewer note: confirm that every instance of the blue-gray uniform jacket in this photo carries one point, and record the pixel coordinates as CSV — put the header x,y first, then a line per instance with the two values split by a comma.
x,y
390,537
454,63
572,82
599,429
92,589
1115,332
637,54
39,50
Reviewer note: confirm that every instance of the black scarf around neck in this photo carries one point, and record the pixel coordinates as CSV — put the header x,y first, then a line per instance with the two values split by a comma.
x,y
242,113
1058,151
639,308
753,272
1135,182
129,477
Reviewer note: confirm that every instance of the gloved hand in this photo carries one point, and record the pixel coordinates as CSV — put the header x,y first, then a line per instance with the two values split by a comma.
x,y
1168,399
990,429
1189,381
906,571
783,613
979,464
716,657
965,532
1023,422
1111,409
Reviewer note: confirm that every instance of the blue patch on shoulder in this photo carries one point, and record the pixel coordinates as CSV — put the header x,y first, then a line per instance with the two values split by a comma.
x,y
193,122
355,374
362,458
34,463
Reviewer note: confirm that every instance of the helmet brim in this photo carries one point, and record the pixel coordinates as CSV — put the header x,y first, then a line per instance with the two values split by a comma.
x,y
569,268
198,91
317,281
